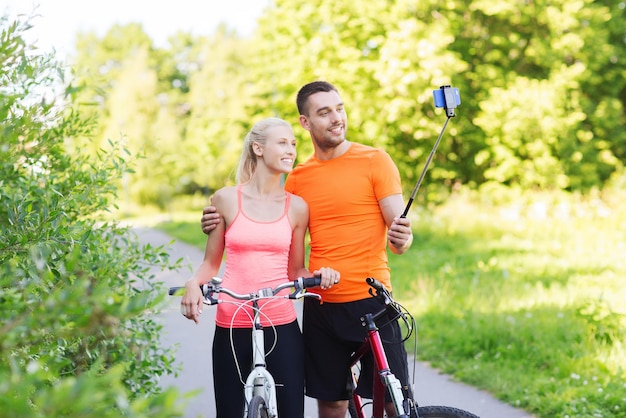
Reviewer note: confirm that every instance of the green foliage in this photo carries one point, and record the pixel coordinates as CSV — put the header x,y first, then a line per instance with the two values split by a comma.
x,y
78,334
180,108
543,89
218,119
532,73
525,118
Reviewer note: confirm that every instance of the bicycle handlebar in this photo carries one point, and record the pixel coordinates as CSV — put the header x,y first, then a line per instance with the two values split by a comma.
x,y
380,292
215,286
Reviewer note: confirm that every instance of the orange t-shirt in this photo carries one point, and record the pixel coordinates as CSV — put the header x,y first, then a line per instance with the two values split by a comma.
x,y
346,226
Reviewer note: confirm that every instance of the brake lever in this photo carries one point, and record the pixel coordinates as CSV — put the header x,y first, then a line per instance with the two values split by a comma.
x,y
302,293
208,291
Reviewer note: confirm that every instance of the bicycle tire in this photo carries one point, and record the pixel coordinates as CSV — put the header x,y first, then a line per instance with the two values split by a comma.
x,y
257,408
443,412
424,412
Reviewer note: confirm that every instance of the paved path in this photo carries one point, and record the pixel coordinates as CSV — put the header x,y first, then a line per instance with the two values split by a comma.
x,y
194,354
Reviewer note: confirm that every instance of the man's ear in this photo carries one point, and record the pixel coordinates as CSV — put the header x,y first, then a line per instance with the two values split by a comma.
x,y
304,122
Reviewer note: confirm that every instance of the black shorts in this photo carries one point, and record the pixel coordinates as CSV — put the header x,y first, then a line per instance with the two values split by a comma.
x,y
332,332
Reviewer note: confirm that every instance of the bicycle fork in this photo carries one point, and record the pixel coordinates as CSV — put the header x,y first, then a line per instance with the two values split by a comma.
x,y
385,379
260,382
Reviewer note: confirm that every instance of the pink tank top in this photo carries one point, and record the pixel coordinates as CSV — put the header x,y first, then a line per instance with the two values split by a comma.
x,y
257,256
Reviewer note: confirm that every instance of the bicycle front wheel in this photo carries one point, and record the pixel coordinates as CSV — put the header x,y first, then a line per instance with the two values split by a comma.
x,y
257,408
443,412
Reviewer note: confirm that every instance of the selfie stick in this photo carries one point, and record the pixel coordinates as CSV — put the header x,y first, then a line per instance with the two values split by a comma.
x,y
451,100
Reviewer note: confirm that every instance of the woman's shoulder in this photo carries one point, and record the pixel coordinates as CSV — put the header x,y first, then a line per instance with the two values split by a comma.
x,y
224,195
298,210
297,200
298,203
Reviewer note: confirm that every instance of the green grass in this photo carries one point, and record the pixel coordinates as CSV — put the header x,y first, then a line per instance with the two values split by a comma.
x,y
186,231
524,300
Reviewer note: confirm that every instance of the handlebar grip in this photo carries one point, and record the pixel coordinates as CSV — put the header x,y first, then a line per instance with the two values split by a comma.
x,y
311,282
375,283
173,290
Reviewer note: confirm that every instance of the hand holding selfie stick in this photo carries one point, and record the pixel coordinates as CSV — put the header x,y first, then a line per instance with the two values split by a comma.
x,y
448,98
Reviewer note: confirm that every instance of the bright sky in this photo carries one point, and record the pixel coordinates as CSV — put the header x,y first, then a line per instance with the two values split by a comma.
x,y
60,20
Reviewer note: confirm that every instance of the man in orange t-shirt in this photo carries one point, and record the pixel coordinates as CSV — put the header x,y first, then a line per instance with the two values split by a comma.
x,y
355,200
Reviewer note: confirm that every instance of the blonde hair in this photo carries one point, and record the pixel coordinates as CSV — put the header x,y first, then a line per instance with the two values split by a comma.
x,y
258,134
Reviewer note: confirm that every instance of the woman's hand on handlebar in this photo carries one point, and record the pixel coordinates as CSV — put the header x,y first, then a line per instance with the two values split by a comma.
x,y
191,303
329,276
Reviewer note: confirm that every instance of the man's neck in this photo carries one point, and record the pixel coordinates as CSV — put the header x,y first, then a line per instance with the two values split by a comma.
x,y
331,153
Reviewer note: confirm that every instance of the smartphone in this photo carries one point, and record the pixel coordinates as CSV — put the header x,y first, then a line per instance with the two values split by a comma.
x,y
446,96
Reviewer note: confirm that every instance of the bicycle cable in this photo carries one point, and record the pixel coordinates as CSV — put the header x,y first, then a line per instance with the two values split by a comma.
x,y
396,311
241,307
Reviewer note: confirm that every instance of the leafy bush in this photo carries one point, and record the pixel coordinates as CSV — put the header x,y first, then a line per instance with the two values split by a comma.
x,y
78,335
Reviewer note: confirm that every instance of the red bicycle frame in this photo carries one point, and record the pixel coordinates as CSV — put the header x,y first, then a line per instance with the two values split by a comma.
x,y
383,378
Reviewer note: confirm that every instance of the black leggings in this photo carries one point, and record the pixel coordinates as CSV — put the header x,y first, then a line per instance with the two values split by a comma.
x,y
285,363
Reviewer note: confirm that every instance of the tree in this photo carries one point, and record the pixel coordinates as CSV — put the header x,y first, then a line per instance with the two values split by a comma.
x,y
531,75
538,74
128,91
542,87
218,118
78,335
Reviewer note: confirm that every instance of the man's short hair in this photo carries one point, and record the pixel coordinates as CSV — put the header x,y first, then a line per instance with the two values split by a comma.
x,y
307,90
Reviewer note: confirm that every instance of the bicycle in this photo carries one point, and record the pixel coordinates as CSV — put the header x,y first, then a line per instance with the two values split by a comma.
x,y
259,386
401,396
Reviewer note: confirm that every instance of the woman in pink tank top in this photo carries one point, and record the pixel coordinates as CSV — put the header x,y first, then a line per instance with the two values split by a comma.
x,y
262,232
